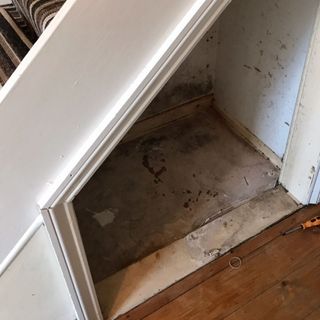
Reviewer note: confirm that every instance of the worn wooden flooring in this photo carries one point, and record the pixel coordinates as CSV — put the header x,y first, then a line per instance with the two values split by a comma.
x,y
279,279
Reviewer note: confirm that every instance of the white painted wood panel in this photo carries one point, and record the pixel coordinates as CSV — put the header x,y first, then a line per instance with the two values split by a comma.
x,y
71,88
74,81
33,286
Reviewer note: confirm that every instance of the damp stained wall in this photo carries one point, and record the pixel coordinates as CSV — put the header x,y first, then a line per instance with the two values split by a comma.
x,y
194,78
252,60
262,50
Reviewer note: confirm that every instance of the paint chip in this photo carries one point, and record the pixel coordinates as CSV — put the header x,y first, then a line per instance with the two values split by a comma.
x,y
105,217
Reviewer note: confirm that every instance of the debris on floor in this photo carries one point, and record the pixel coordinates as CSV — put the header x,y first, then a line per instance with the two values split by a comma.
x,y
309,224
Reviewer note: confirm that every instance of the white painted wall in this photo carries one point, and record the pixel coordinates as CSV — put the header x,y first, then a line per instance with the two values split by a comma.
x,y
262,51
33,286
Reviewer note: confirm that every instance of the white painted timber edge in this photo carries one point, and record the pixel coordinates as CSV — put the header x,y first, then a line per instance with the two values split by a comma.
x,y
134,101
67,242
53,236
23,241
315,196
295,174
248,136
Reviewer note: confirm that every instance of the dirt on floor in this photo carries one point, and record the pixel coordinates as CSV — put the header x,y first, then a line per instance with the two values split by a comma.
x,y
158,188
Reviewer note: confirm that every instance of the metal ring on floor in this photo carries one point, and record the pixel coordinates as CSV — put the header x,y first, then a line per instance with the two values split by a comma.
x,y
235,263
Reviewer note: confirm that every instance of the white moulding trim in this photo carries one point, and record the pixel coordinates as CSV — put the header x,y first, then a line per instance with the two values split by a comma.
x,y
23,241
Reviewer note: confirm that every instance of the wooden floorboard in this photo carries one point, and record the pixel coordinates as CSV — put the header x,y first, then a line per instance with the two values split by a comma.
x,y
290,298
275,279
313,315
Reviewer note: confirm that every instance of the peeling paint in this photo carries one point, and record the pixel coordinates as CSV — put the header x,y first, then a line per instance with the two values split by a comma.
x,y
104,217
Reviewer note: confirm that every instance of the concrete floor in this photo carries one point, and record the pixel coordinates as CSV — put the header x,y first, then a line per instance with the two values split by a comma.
x,y
158,188
135,285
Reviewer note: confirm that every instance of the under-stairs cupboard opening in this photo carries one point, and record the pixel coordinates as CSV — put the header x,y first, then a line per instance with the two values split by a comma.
x,y
198,173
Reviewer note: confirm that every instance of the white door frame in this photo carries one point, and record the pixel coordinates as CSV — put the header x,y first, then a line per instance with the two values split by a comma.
x,y
62,227
301,164
57,208
315,196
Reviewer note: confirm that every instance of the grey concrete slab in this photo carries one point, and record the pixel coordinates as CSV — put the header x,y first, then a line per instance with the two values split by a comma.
x,y
158,188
